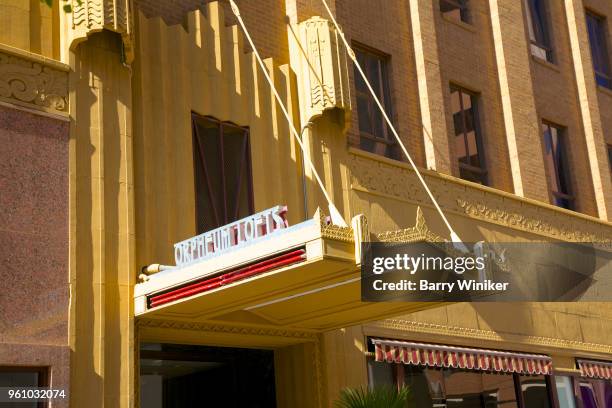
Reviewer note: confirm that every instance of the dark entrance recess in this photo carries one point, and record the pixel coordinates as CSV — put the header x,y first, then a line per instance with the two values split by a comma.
x,y
185,376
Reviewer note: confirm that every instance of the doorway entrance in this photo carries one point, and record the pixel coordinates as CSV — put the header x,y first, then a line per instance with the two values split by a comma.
x,y
179,376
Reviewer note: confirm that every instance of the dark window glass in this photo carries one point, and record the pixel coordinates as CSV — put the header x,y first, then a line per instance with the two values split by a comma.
x,y
456,9
557,169
23,377
539,34
375,135
468,143
596,26
222,169
450,388
610,157
535,391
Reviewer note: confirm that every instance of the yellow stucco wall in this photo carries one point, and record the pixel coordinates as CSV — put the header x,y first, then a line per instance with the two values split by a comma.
x,y
30,25
132,197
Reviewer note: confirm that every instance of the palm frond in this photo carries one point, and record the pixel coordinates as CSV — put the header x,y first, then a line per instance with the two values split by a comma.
x,y
377,397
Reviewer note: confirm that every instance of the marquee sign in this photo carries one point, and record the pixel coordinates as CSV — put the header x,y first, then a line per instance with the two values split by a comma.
x,y
230,236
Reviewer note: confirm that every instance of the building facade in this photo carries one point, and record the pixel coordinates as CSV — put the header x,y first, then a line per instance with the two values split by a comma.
x,y
130,126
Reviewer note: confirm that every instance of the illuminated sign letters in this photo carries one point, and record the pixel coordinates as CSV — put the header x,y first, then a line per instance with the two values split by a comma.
x,y
229,236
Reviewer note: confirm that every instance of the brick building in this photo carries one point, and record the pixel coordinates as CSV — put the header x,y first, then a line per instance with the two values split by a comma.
x,y
130,126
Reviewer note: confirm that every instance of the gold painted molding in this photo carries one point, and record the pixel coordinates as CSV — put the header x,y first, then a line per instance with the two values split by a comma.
x,y
331,231
225,328
546,224
33,82
408,326
420,232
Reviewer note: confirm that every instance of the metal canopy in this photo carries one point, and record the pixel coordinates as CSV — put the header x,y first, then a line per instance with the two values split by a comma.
x,y
318,291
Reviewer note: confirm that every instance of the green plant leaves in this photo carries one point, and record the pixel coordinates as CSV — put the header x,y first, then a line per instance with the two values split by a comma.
x,y
377,397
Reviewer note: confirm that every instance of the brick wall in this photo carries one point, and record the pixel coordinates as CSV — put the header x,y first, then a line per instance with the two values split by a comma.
x,y
467,57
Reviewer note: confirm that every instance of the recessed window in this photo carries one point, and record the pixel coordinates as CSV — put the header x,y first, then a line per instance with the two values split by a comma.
x,y
610,157
457,10
596,26
375,135
557,166
222,170
539,30
468,141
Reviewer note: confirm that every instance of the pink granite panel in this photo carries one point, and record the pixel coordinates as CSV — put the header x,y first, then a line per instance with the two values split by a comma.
x,y
33,239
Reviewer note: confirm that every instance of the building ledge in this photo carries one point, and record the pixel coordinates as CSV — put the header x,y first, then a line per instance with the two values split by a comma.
x,y
34,82
473,200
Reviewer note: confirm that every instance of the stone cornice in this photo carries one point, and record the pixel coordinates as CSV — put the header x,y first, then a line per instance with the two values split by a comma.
x,y
225,328
33,81
389,178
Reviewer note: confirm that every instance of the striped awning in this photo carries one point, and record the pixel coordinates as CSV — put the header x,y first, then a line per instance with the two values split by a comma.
x,y
595,369
393,351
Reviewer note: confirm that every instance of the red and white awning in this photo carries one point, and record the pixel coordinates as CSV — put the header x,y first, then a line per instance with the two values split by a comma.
x,y
595,369
393,351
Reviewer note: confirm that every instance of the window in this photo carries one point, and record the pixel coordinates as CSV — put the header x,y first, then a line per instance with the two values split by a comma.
x,y
457,10
468,143
535,391
596,25
610,157
222,170
24,377
539,34
595,393
557,168
375,135
565,391
456,388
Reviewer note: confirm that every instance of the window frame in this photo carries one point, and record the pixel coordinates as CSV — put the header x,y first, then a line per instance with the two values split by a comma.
x,y
398,377
602,48
464,10
247,169
384,78
570,196
547,44
475,99
44,377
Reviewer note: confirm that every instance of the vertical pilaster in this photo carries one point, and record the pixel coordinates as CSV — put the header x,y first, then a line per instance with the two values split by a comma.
x,y
589,107
102,272
431,95
521,121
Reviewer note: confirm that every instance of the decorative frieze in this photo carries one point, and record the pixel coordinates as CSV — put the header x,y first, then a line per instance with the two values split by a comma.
x,y
378,176
225,328
33,82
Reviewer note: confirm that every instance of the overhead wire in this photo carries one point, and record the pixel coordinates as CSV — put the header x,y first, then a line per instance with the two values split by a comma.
x,y
335,215
454,237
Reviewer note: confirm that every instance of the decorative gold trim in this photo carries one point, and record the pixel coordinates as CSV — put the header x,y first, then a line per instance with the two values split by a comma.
x,y
225,328
331,231
420,232
525,222
480,334
33,83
